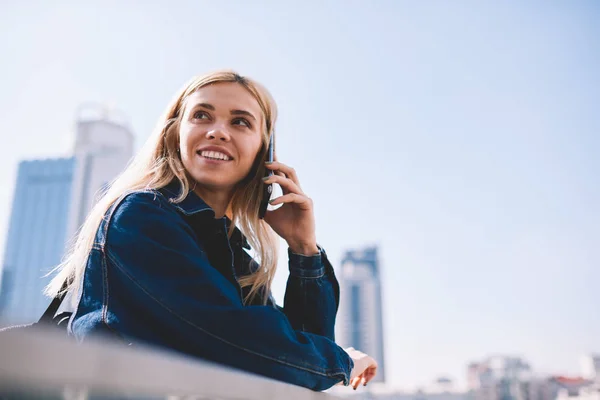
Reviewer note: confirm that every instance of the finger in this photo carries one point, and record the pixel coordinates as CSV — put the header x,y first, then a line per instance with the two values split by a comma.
x,y
302,201
356,382
351,383
359,380
367,378
287,185
272,170
287,170
370,374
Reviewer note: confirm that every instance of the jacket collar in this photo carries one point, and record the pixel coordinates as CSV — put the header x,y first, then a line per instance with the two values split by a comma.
x,y
192,204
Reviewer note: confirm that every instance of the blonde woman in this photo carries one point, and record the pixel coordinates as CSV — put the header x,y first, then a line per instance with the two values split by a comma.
x,y
162,258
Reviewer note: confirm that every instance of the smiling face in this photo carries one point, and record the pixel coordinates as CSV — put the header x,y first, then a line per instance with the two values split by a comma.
x,y
220,135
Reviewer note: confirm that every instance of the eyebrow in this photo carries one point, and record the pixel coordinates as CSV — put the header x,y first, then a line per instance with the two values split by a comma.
x,y
243,112
233,112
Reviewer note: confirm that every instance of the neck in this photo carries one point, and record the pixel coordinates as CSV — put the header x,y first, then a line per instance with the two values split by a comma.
x,y
218,200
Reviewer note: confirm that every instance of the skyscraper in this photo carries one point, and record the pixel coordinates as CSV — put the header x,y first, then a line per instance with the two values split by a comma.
x,y
103,147
36,235
52,199
360,315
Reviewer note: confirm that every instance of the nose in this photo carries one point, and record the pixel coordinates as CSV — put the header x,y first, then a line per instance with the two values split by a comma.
x,y
218,133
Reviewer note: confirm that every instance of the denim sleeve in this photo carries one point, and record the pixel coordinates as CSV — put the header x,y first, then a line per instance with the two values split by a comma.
x,y
163,290
312,294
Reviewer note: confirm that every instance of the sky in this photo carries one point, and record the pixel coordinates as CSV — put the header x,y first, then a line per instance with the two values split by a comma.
x,y
462,138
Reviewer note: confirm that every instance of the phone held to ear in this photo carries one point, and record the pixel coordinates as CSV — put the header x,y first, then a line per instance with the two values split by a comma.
x,y
267,188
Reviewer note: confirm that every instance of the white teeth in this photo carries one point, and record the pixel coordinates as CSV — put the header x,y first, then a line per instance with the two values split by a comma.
x,y
215,155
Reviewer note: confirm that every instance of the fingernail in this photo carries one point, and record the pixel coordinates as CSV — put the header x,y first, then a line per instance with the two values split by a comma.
x,y
271,201
354,388
265,178
365,384
268,162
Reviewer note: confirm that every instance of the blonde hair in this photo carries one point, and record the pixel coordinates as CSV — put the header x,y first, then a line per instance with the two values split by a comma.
x,y
157,164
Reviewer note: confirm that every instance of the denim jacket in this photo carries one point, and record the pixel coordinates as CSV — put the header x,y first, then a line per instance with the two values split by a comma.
x,y
166,274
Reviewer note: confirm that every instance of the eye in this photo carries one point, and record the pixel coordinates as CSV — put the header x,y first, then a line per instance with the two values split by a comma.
x,y
241,122
200,115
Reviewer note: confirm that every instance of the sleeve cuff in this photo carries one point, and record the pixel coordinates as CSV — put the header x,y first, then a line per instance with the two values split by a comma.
x,y
350,368
304,266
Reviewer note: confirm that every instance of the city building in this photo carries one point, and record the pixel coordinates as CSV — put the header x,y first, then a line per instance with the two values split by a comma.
x,y
577,389
418,395
442,384
359,321
441,389
500,378
52,198
103,147
36,235
590,367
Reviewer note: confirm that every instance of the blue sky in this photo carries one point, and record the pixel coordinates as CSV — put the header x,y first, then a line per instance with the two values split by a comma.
x,y
461,137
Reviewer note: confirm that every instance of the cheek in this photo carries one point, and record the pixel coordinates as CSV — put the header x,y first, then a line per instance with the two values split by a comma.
x,y
183,145
252,149
187,138
183,137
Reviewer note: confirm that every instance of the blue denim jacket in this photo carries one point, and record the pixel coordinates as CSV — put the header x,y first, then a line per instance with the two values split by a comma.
x,y
165,274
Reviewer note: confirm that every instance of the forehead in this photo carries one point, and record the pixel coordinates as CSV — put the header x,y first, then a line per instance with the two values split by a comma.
x,y
225,95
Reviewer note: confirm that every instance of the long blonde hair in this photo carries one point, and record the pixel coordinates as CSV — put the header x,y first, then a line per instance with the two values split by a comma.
x,y
157,164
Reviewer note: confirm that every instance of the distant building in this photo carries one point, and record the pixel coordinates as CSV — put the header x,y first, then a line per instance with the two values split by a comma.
x,y
103,147
442,384
590,367
440,389
499,378
52,199
360,316
570,386
576,389
419,395
36,235
510,378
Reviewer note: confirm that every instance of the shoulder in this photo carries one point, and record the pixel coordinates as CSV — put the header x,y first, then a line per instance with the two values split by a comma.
x,y
139,201
142,212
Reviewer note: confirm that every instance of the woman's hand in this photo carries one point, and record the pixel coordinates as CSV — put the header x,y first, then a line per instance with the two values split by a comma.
x,y
365,368
295,220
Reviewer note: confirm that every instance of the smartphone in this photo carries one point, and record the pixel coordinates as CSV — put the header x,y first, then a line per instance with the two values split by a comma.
x,y
267,188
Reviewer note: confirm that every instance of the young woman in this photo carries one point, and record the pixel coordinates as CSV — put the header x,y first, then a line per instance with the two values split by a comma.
x,y
162,257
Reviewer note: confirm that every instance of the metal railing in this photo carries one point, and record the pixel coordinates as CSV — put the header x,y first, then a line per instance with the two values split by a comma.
x,y
46,364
